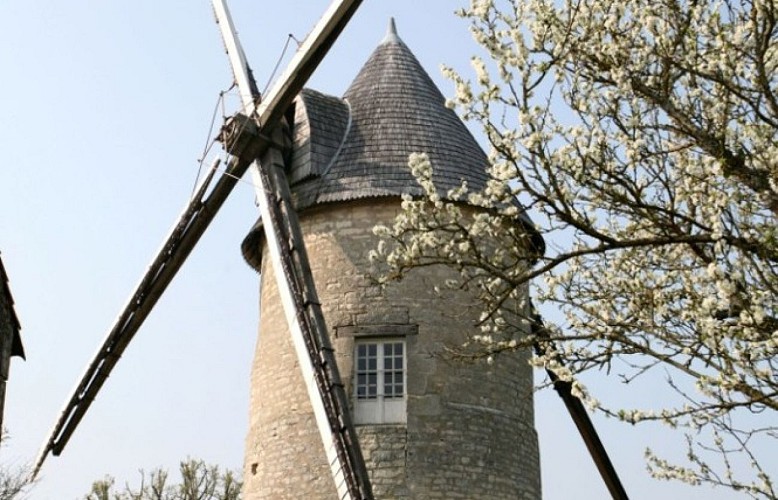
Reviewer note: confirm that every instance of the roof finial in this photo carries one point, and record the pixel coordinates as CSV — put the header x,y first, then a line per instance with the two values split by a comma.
x,y
391,33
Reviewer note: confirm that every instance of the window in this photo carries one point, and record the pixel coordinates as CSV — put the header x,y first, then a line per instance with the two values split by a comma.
x,y
379,382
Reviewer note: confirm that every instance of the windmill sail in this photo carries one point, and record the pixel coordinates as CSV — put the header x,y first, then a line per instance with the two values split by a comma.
x,y
186,233
290,261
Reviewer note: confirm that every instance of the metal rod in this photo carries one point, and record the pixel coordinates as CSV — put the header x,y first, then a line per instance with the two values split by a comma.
x,y
582,422
247,88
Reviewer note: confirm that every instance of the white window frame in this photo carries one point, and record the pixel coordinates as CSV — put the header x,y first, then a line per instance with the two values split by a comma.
x,y
372,402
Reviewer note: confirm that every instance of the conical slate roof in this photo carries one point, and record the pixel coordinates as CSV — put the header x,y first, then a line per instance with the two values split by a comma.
x,y
358,147
396,110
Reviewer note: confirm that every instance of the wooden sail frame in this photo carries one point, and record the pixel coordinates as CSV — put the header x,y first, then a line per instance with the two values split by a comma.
x,y
327,394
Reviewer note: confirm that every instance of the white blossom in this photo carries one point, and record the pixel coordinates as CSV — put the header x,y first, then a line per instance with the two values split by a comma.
x,y
643,138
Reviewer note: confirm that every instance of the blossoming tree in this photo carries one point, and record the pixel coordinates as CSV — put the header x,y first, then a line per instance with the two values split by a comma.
x,y
642,137
199,481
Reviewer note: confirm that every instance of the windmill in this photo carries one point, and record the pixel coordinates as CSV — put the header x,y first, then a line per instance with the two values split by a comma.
x,y
249,136
259,133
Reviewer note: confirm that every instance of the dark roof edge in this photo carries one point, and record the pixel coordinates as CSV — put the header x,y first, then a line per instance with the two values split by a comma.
x,y
250,246
17,349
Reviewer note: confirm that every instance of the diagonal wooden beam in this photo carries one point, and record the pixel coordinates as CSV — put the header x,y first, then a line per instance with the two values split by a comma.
x,y
186,232
289,257
581,419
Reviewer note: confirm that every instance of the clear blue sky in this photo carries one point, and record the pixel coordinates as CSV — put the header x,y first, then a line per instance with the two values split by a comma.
x,y
105,110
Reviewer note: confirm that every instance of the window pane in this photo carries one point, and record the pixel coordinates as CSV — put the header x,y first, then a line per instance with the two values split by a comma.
x,y
388,384
379,381
372,385
366,371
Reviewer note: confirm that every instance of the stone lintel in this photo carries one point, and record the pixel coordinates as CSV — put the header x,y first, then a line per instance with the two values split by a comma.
x,y
376,331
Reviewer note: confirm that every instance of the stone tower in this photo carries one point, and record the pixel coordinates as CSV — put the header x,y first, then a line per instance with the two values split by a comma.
x,y
429,427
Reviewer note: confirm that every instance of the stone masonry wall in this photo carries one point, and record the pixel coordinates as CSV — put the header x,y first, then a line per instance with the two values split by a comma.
x,y
470,426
